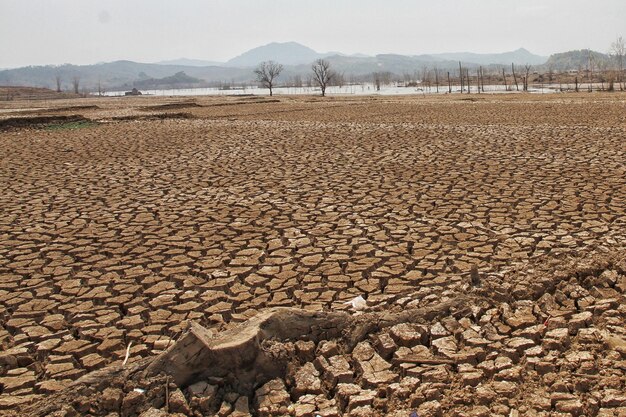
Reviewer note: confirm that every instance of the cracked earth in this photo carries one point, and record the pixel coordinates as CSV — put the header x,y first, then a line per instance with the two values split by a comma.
x,y
158,212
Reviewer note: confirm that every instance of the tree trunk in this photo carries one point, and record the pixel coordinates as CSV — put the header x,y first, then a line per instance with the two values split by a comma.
x,y
506,87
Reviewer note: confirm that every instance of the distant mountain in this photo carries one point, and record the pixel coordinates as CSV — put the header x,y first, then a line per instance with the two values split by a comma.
x,y
287,53
292,53
574,60
190,62
118,75
296,58
520,56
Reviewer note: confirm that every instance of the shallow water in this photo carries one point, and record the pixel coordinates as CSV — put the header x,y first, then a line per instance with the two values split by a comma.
x,y
358,89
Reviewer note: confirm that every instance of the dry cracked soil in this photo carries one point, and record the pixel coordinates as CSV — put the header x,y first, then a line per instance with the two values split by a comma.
x,y
488,234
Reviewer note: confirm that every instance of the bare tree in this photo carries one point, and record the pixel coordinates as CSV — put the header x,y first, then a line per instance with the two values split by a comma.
x,y
514,76
589,70
57,78
602,70
618,50
267,72
527,68
550,73
322,74
76,83
506,87
376,77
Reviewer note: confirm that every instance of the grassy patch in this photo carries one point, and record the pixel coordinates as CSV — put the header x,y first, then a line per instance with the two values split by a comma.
x,y
79,124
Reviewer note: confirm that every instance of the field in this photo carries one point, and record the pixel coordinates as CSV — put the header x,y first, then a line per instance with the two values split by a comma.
x,y
123,219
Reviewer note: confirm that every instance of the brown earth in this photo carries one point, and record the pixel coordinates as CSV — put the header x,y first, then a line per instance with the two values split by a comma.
x,y
121,231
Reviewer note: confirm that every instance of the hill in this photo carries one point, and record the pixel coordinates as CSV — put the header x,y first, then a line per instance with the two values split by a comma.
x,y
118,75
520,56
580,59
287,53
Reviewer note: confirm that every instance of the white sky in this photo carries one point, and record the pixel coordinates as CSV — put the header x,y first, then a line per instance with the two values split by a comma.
x,y
37,32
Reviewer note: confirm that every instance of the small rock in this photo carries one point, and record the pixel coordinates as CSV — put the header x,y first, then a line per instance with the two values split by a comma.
x,y
406,335
430,409
242,408
111,399
178,402
133,403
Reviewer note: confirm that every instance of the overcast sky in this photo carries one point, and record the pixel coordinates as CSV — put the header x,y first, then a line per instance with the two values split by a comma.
x,y
36,32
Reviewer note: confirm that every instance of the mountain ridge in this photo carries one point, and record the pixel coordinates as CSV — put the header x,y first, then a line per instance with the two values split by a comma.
x,y
120,75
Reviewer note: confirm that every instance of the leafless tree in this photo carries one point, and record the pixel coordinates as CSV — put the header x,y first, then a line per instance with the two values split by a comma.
x,y
267,72
602,73
376,77
425,77
482,79
514,76
57,78
618,50
506,87
550,73
527,69
589,70
322,74
76,83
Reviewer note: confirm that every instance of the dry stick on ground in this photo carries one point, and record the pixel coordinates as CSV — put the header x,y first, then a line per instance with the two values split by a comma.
x,y
127,353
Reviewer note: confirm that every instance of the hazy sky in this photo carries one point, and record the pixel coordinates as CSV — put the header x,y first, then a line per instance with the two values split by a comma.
x,y
35,32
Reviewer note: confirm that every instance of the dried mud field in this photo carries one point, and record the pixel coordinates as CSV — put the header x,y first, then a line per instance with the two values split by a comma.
x,y
196,256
